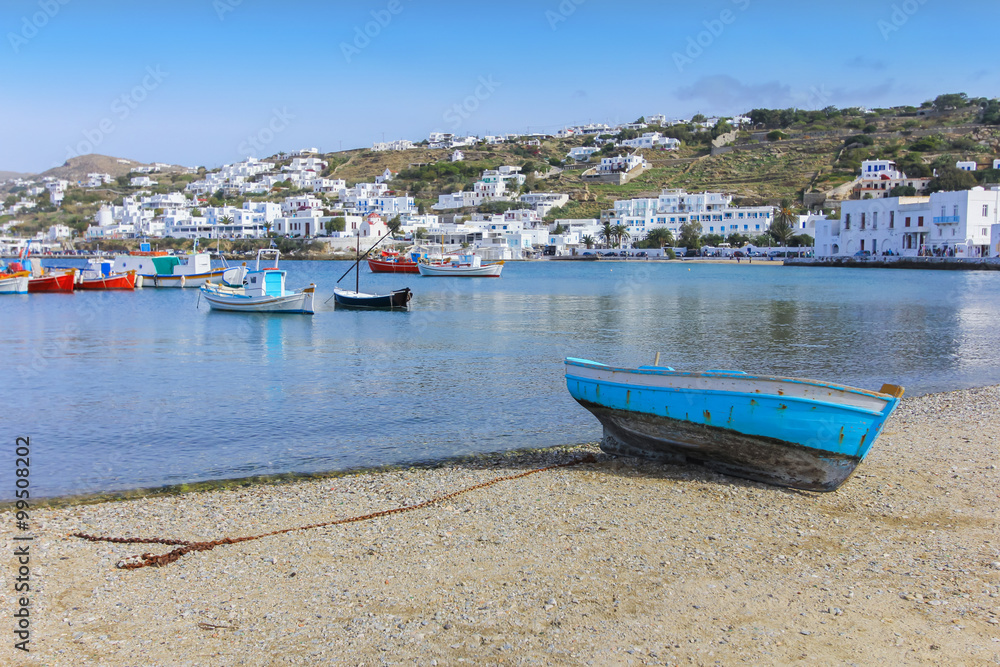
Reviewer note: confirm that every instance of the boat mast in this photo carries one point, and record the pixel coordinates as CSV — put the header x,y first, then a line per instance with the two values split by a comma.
x,y
357,267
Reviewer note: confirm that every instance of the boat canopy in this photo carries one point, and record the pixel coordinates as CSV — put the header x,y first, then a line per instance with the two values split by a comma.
x,y
165,265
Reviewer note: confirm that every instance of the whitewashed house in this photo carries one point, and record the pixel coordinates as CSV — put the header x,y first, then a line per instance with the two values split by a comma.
x,y
879,177
947,224
581,153
142,182
967,165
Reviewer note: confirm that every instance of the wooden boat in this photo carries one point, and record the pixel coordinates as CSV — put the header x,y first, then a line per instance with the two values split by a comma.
x,y
263,291
392,262
466,266
159,269
14,283
60,280
113,281
397,300
803,434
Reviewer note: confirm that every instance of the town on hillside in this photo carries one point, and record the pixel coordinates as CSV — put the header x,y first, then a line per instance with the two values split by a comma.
x,y
906,181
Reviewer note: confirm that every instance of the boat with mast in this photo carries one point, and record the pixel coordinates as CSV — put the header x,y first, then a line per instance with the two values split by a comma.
x,y
395,300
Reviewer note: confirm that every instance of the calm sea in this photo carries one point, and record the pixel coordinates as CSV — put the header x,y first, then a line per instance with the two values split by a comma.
x,y
127,390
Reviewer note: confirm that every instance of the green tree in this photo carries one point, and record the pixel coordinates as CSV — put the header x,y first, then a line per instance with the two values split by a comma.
x,y
737,240
951,100
659,237
621,234
775,135
337,224
903,191
588,241
607,234
783,223
952,179
395,224
690,236
559,229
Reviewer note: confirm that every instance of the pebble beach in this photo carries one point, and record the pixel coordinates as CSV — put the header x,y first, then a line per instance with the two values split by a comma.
x,y
614,561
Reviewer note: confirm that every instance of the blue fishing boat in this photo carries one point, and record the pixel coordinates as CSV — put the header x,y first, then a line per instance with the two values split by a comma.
x,y
803,434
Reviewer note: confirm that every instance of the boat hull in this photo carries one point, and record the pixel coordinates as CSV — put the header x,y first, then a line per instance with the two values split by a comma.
x,y
397,300
62,282
301,302
788,432
380,266
14,285
124,281
181,280
460,271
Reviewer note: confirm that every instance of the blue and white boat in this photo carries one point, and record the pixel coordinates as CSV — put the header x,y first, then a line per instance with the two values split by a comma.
x,y
803,434
263,291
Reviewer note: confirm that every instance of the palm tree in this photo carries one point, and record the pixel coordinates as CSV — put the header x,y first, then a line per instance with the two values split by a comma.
x,y
660,237
621,234
607,234
588,241
783,225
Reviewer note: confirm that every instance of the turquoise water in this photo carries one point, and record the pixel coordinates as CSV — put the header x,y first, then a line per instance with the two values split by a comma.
x,y
127,390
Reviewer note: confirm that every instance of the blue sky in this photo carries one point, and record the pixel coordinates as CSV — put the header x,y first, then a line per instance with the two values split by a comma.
x,y
207,82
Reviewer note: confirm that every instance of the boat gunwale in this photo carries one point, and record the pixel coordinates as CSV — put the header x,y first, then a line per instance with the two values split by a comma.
x,y
728,374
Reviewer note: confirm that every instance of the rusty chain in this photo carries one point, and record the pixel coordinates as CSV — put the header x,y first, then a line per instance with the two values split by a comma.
x,y
186,547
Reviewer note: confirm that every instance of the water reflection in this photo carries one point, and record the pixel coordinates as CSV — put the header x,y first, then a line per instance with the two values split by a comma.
x,y
127,390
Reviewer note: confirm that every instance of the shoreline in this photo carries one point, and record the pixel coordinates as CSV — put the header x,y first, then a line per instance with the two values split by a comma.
x,y
613,561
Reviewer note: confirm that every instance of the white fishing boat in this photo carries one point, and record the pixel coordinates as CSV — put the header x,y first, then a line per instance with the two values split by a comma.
x,y
13,284
466,266
263,291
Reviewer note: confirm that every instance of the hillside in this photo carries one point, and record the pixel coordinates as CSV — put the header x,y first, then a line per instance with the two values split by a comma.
x,y
77,168
5,175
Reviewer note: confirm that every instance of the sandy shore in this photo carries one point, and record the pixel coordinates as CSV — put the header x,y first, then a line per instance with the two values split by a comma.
x,y
607,563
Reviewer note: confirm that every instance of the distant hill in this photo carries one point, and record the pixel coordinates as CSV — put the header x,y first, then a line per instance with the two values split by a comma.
x,y
77,168
6,175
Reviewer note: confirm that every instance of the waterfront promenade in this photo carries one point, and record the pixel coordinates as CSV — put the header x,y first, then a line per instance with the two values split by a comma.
x,y
612,562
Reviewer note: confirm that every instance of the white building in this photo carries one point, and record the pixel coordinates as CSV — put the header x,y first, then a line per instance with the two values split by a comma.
x,y
581,153
304,206
142,182
621,164
967,165
714,211
879,177
400,145
950,224
457,156
96,180
653,140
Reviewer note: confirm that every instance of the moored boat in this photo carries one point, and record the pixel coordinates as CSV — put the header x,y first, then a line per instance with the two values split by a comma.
x,y
396,300
803,434
263,291
113,281
159,269
58,280
13,283
392,262
466,266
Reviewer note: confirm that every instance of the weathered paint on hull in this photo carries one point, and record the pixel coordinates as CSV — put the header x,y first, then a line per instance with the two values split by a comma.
x,y
757,458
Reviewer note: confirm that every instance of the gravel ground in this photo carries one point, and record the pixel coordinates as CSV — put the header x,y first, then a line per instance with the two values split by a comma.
x,y
609,563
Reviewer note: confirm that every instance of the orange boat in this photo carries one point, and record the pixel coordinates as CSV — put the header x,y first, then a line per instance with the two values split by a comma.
x,y
53,281
114,281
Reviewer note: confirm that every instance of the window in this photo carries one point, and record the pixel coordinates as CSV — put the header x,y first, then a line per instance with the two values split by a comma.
x,y
892,219
847,221
863,215
986,210
920,221
875,220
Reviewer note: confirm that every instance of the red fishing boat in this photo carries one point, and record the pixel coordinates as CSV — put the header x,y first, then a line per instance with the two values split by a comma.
x,y
114,281
53,281
391,262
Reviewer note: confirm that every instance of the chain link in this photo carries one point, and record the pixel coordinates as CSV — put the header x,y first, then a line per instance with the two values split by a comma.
x,y
186,547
